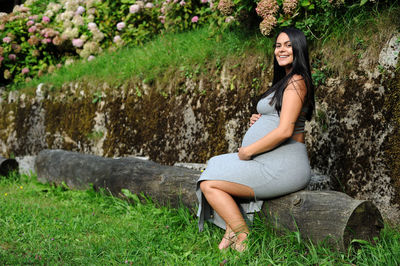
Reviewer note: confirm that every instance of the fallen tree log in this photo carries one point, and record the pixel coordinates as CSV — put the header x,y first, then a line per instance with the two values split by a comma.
x,y
319,216
164,184
7,166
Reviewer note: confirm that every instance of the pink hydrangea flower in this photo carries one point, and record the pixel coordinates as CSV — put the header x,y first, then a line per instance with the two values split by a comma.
x,y
25,70
34,17
289,6
120,25
46,40
7,39
267,7
30,23
195,19
77,42
182,3
204,1
12,57
226,7
267,24
91,57
45,19
32,29
117,38
80,10
162,19
229,19
92,26
149,5
134,9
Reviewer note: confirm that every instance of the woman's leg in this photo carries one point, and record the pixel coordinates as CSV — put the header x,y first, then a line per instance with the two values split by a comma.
x,y
219,196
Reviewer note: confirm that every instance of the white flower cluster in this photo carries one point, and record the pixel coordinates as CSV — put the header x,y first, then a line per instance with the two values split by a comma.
x,y
29,2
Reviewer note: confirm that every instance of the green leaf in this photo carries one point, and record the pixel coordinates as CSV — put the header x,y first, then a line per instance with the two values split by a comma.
x,y
363,2
130,195
305,3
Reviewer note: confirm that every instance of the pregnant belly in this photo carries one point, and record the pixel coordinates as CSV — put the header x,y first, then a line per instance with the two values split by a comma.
x,y
260,128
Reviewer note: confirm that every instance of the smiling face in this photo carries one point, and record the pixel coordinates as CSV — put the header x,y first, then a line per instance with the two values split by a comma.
x,y
284,52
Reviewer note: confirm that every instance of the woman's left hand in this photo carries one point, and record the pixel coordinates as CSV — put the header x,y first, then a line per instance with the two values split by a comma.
x,y
244,154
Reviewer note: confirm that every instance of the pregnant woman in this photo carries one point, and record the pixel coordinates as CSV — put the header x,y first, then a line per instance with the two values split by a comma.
x,y
272,160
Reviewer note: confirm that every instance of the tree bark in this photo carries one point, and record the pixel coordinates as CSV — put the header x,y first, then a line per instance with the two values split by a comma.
x,y
328,216
325,216
164,184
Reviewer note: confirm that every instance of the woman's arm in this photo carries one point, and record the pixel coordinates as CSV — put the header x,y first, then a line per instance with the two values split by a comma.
x,y
292,103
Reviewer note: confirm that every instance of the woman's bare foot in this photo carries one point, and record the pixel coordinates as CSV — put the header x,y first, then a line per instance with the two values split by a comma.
x,y
228,239
240,244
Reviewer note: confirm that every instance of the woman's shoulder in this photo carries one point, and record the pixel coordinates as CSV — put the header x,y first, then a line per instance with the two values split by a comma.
x,y
297,82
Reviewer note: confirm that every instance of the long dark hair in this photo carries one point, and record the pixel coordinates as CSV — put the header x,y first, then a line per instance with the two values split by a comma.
x,y
300,66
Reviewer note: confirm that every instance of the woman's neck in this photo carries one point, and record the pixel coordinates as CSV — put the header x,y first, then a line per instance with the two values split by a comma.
x,y
288,69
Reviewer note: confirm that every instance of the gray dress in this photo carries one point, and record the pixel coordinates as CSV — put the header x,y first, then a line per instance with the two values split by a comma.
x,y
280,171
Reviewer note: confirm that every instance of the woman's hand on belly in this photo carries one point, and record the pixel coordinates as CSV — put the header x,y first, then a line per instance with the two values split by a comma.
x,y
244,154
254,118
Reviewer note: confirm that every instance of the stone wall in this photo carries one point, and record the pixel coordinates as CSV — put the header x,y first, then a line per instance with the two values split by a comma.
x,y
353,137
189,121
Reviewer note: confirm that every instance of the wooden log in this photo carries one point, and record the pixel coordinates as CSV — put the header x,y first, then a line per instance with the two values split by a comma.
x,y
7,166
319,216
325,216
164,184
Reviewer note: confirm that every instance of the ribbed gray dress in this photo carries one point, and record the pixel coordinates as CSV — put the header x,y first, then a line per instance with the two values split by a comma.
x,y
280,171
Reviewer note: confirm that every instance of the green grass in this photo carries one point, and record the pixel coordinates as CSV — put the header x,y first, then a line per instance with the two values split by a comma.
x,y
44,224
164,56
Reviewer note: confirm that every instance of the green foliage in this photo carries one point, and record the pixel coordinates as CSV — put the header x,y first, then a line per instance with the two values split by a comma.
x,y
46,33
39,6
95,135
97,97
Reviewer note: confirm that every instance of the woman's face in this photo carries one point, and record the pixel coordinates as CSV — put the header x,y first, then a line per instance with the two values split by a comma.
x,y
283,51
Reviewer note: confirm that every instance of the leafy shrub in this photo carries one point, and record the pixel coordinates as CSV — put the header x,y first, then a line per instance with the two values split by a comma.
x,y
43,34
32,44
313,17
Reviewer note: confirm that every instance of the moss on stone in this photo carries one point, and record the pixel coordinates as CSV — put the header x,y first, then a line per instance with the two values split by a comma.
x,y
392,105
70,117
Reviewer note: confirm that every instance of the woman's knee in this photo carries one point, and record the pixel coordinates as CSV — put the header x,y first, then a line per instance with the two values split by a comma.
x,y
205,185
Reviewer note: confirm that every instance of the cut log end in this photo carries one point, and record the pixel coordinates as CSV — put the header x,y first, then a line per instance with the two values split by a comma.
x,y
365,223
7,166
330,217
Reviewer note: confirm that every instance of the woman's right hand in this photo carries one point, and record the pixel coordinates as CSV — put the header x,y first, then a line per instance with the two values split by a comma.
x,y
254,118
